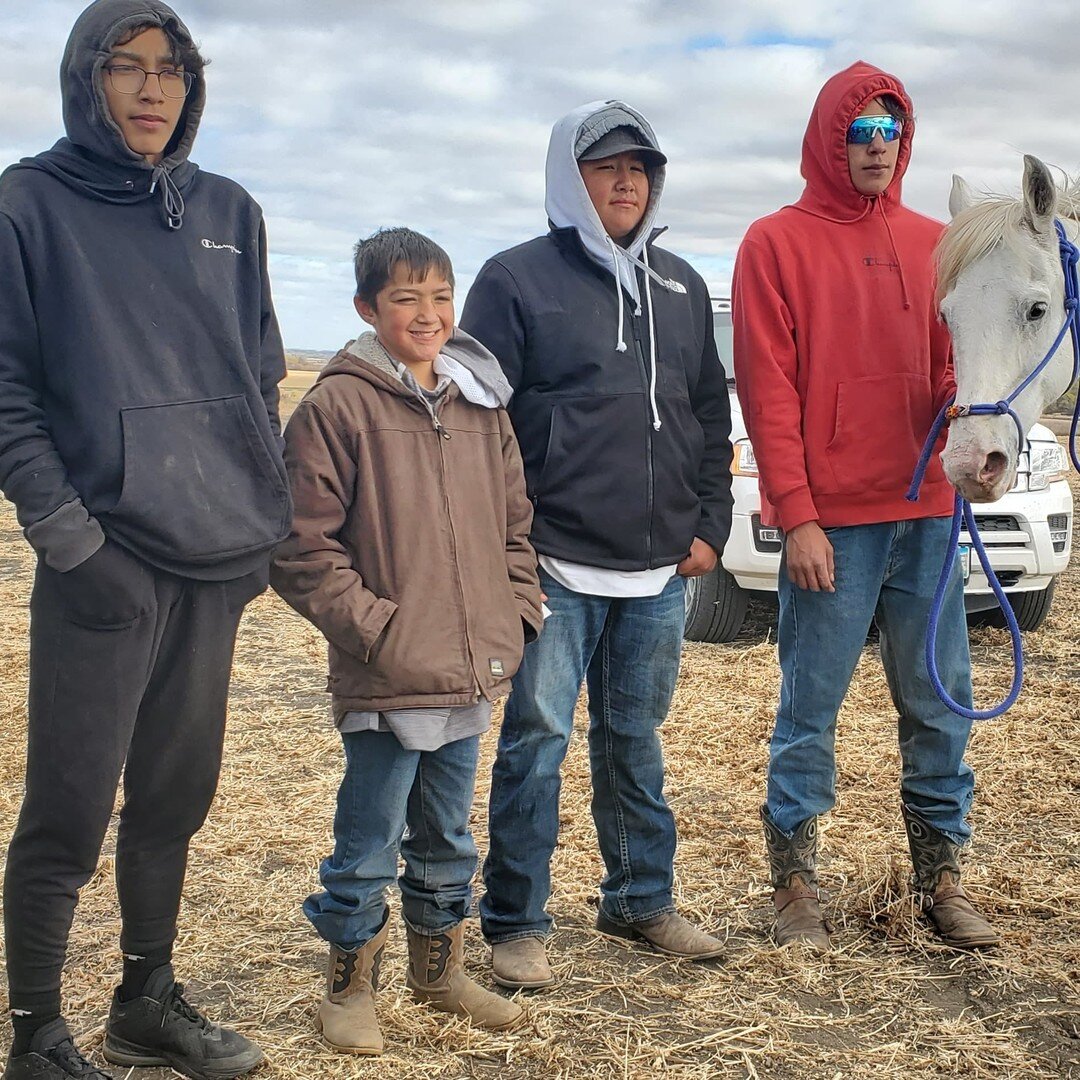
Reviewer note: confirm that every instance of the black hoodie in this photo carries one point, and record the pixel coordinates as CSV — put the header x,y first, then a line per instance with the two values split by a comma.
x,y
139,352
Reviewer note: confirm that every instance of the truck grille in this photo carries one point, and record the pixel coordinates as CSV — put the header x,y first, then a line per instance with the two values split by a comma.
x,y
996,523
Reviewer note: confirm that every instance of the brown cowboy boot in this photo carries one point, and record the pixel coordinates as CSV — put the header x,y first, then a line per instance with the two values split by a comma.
x,y
437,978
521,964
793,871
937,888
346,1016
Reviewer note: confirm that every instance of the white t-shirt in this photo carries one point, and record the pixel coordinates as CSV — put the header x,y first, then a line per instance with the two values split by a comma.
x,y
598,581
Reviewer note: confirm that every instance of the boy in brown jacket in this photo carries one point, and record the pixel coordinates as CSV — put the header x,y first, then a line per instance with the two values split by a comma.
x,y
410,552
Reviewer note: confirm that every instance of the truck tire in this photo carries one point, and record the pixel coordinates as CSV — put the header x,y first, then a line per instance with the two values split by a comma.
x,y
1030,608
715,607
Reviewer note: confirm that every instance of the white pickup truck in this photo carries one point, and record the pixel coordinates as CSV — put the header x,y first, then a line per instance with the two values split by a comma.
x,y
1027,533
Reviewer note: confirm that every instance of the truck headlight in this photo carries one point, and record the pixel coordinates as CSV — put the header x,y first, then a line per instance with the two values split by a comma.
x,y
1048,463
744,463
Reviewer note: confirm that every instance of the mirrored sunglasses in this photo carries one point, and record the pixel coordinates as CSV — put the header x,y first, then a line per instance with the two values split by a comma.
x,y
864,128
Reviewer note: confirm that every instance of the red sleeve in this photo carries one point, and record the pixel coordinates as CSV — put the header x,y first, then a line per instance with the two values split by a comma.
x,y
765,377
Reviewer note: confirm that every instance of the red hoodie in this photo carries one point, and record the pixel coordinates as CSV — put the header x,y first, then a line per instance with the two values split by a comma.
x,y
841,361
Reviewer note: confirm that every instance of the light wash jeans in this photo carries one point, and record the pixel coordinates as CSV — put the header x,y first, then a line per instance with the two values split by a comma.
x,y
392,799
885,572
627,650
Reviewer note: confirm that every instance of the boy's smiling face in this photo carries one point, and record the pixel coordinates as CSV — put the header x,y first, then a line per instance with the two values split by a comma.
x,y
148,118
413,319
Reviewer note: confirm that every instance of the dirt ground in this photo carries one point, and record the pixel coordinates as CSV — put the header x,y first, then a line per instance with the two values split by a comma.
x,y
889,1002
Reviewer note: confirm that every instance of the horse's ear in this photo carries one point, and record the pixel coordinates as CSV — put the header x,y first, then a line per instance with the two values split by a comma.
x,y
961,196
1040,194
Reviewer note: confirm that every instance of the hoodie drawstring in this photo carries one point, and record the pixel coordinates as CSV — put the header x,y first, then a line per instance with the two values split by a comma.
x,y
896,255
172,202
620,346
620,341
652,341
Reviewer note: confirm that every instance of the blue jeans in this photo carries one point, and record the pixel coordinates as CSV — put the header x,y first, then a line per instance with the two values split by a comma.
x,y
387,789
886,572
627,650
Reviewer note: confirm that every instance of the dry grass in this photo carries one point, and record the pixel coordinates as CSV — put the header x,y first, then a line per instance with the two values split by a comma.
x,y
889,1003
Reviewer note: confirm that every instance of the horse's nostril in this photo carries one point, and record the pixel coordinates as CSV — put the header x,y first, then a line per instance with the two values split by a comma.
x,y
993,467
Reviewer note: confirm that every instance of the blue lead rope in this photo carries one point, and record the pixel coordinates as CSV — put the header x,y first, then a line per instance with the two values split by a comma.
x,y
962,511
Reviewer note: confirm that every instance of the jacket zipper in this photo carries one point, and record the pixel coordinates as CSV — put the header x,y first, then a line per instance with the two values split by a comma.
x,y
635,323
478,684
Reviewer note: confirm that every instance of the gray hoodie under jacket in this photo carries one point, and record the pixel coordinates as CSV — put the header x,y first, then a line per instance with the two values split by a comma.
x,y
139,352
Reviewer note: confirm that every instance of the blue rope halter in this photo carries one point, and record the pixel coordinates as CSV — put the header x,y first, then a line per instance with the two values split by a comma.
x,y
962,512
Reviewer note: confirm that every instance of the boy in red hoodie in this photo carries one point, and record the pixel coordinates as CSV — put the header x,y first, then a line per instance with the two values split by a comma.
x,y
842,364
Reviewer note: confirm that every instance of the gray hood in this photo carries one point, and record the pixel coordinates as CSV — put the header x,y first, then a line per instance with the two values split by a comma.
x,y
568,206
463,359
567,201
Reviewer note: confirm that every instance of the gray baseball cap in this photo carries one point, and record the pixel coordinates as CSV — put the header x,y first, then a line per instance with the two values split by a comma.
x,y
620,140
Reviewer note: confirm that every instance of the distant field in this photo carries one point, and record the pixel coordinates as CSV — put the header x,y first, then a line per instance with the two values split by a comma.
x,y
293,387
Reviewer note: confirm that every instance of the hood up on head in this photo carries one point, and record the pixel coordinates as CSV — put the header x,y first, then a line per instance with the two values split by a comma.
x,y
567,201
94,158
830,192
568,206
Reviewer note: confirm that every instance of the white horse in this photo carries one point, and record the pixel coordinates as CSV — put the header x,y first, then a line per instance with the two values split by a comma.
x,y
1001,291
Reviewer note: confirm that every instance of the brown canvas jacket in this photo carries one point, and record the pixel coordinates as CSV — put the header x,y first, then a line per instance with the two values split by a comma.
x,y
409,547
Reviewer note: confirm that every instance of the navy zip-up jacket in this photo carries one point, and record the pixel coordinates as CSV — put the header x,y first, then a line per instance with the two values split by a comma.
x,y
609,489
139,352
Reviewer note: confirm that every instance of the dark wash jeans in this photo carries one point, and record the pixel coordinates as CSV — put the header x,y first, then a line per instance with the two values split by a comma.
x,y
627,650
390,800
885,572
147,696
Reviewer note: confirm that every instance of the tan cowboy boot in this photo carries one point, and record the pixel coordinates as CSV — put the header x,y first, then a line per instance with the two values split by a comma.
x,y
521,964
937,888
346,1015
437,978
668,933
796,896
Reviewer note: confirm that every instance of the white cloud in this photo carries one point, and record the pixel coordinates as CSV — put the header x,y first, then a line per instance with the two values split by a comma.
x,y
340,117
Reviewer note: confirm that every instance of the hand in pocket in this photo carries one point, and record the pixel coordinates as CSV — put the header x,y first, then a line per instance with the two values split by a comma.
x,y
109,590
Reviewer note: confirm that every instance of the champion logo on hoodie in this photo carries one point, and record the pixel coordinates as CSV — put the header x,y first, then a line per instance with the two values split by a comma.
x,y
873,261
221,247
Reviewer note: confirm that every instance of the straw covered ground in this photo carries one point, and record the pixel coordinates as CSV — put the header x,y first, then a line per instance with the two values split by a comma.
x,y
889,1002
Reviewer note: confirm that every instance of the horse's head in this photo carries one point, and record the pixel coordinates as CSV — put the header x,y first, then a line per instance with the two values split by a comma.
x,y
1001,290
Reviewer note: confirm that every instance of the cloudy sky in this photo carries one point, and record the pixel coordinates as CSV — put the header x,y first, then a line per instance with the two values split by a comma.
x,y
341,116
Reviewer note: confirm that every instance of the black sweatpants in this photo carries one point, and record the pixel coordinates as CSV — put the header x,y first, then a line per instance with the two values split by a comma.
x,y
148,697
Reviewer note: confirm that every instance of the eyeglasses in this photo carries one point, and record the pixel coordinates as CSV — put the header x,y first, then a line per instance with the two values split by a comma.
x,y
864,128
129,79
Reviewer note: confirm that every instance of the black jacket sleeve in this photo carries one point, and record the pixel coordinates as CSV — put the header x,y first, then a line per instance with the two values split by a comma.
x,y
712,407
32,474
494,315
272,352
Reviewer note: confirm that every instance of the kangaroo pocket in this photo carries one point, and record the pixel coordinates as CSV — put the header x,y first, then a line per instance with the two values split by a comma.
x,y
199,482
881,422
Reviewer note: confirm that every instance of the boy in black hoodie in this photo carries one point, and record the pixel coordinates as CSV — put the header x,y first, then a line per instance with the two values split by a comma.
x,y
140,444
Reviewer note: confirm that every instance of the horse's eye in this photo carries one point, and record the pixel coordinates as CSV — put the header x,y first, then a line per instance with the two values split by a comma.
x,y
1036,311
